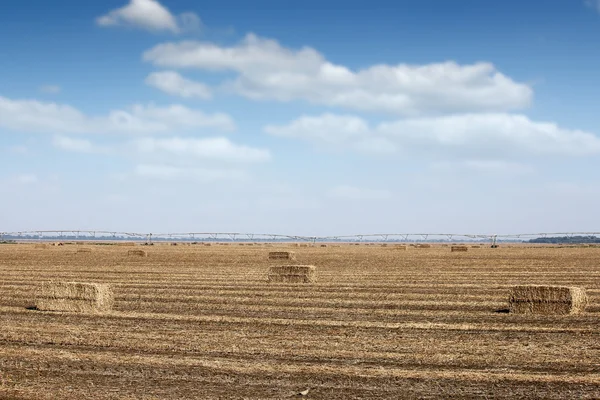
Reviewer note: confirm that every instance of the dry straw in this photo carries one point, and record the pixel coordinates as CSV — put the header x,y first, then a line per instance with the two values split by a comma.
x,y
458,248
547,300
137,253
282,255
40,246
399,247
129,244
423,246
74,297
293,274
84,250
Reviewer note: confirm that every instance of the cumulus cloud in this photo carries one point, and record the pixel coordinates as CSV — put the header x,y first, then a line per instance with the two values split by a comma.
x,y
150,15
267,70
174,84
483,135
45,117
355,193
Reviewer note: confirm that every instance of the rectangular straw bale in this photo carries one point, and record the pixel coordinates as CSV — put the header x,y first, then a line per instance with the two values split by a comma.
x,y
128,244
293,274
40,246
84,250
547,300
475,246
74,297
423,246
399,247
282,255
137,253
458,248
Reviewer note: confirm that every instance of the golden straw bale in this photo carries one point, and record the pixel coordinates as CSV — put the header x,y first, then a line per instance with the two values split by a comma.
x,y
293,274
282,255
74,297
458,248
547,300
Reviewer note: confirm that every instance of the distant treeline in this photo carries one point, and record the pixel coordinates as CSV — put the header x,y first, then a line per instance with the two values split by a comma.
x,y
566,240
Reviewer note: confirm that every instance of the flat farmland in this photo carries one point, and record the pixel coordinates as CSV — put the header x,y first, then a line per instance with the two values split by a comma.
x,y
201,322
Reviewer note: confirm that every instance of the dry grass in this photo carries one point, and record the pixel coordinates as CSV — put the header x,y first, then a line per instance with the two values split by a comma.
x,y
547,300
202,322
84,250
137,253
74,297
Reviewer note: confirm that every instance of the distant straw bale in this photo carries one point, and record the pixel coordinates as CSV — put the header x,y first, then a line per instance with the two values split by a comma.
x,y
324,245
399,247
423,246
282,255
547,300
137,253
128,244
40,246
384,245
458,248
84,250
475,246
293,274
74,297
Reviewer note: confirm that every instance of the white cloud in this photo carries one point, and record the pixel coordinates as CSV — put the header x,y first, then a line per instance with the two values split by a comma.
x,y
150,15
267,70
44,117
174,84
496,167
338,131
50,89
26,179
355,193
74,145
216,148
479,135
174,173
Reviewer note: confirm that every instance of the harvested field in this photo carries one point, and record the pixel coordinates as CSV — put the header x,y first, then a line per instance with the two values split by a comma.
x,y
203,322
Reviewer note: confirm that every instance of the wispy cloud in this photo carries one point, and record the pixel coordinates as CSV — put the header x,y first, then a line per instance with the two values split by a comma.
x,y
50,89
33,116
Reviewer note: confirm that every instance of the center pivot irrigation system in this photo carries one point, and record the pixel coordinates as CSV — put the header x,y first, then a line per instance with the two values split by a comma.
x,y
83,235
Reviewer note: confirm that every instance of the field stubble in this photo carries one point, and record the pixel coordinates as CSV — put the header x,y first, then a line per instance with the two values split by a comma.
x,y
203,322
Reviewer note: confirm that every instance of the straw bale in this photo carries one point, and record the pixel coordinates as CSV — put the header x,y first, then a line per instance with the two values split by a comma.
x,y
40,246
84,250
399,247
324,245
74,297
423,246
128,244
547,300
293,274
282,255
137,253
458,248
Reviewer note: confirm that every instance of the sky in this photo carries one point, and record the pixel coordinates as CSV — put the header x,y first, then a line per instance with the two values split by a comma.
x,y
306,118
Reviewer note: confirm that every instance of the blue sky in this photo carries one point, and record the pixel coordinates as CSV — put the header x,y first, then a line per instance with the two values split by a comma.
x,y
317,117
